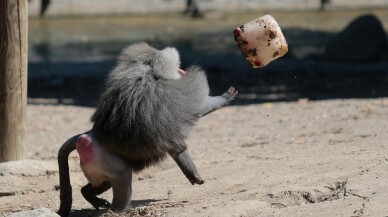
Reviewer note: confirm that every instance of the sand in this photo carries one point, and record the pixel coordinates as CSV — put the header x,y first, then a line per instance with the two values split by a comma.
x,y
303,158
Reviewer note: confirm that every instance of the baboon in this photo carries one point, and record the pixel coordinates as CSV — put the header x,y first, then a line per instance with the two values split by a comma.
x,y
146,112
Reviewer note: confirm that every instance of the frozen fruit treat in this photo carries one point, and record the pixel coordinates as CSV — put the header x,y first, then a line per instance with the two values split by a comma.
x,y
261,41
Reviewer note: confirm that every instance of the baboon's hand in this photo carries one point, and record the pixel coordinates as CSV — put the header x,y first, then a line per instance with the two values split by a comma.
x,y
195,179
230,94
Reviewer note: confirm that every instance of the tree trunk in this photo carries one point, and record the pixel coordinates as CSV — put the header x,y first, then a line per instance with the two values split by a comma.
x,y
13,78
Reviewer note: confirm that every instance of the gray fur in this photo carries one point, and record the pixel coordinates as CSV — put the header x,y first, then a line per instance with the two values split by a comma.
x,y
145,113
159,113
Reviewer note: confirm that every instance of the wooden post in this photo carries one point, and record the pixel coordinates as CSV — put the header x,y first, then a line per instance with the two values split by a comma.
x,y
13,77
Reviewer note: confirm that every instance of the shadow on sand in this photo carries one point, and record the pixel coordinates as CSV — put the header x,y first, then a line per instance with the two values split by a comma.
x,y
94,212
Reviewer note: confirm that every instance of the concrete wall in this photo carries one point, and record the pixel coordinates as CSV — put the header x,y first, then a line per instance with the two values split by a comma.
x,y
358,3
94,7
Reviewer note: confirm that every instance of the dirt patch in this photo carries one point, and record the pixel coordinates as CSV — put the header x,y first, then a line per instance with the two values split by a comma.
x,y
299,197
154,210
273,159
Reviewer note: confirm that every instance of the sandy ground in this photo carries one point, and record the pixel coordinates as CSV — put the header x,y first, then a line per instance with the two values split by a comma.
x,y
304,158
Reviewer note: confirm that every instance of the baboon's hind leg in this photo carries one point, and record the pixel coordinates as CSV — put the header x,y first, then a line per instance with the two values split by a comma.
x,y
90,194
122,191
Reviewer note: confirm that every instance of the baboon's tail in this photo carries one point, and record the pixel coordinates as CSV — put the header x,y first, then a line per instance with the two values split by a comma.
x,y
65,194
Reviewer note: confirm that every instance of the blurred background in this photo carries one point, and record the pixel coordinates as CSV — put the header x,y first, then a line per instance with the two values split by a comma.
x,y
337,48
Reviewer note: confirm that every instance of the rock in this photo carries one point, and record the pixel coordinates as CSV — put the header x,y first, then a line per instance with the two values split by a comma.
x,y
41,212
27,176
364,40
28,168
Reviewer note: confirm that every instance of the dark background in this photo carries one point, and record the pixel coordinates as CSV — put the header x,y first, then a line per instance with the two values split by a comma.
x,y
69,57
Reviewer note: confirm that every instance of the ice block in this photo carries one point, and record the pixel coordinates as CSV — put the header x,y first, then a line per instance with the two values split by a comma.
x,y
261,41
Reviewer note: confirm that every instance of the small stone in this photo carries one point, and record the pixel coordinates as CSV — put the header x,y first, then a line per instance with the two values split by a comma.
x,y
28,168
41,212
